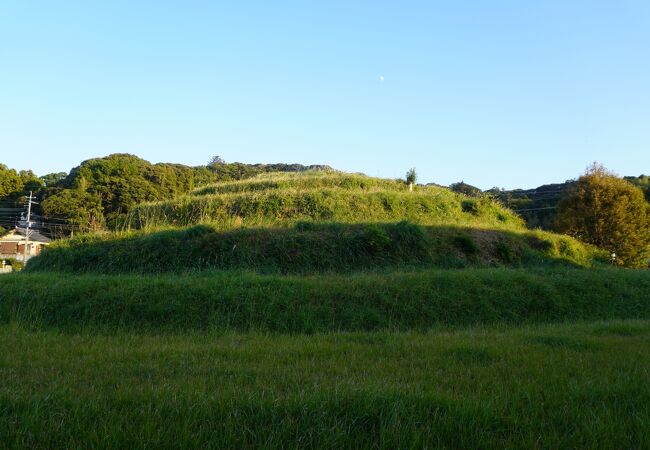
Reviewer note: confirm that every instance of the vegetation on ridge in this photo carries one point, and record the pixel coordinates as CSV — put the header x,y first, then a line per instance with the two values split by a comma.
x,y
312,248
320,197
97,193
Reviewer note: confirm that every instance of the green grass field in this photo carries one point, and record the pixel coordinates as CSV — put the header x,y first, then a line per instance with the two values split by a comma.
x,y
227,301
553,386
324,310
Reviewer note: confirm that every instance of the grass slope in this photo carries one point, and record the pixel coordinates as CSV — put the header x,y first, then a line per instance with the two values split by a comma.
x,y
277,200
299,304
315,222
311,248
579,386
306,181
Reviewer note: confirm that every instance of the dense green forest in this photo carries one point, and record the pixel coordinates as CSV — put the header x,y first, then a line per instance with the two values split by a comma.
x,y
99,192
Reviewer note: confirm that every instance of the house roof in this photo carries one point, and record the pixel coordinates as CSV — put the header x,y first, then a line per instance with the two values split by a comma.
x,y
34,236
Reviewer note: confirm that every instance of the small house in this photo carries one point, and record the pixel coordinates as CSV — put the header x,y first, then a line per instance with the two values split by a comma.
x,y
12,244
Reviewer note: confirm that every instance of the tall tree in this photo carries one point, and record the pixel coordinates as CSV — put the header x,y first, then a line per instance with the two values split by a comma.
x,y
11,183
80,210
609,212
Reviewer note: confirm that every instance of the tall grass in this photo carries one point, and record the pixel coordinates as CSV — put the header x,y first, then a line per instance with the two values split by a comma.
x,y
305,181
311,248
346,199
551,387
242,301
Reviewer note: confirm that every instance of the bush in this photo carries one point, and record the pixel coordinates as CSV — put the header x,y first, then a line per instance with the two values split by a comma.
x,y
470,207
16,265
608,212
505,252
376,238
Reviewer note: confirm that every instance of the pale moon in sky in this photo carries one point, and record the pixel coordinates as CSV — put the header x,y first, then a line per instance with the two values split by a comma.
x,y
381,78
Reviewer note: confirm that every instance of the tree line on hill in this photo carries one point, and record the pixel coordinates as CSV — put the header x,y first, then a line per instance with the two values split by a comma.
x,y
99,192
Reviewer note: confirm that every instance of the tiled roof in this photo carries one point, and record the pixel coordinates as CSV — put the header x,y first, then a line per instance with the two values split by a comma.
x,y
34,235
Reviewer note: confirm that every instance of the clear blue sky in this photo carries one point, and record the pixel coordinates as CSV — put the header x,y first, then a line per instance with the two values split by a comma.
x,y
497,93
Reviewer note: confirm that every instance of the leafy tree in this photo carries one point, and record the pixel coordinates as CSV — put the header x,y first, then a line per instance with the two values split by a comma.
x,y
81,209
52,179
643,182
216,160
411,178
609,212
30,181
234,171
109,187
11,183
121,181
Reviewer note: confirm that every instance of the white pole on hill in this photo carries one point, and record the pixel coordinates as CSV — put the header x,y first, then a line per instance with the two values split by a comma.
x,y
29,217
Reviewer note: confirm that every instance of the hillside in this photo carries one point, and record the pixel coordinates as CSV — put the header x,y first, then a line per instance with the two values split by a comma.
x,y
284,199
324,310
315,222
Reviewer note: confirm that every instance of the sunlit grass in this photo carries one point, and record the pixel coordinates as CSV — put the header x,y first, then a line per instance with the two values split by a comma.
x,y
558,386
281,199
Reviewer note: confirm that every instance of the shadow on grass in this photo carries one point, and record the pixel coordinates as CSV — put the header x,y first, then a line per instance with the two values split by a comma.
x,y
471,355
311,248
562,342
623,330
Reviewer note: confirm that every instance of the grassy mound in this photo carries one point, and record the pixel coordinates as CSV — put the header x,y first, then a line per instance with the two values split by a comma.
x,y
311,248
307,181
240,301
280,200
315,222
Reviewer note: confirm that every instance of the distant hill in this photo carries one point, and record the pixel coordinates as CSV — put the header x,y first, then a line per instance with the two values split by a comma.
x,y
538,206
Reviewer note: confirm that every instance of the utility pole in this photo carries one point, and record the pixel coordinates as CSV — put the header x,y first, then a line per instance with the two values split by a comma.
x,y
29,217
